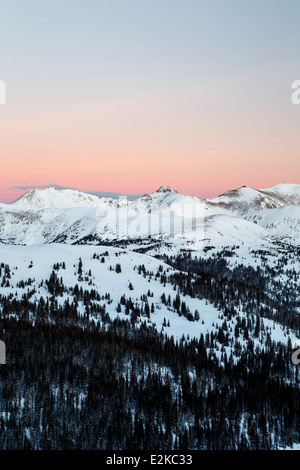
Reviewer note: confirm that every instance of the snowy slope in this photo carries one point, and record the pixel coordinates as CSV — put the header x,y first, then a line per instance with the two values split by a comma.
x,y
243,200
36,263
282,222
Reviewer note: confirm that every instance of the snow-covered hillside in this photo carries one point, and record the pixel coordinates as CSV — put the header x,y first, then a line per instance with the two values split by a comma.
x,y
113,274
281,222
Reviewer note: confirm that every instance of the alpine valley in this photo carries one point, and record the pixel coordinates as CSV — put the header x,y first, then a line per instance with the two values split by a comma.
x,y
163,322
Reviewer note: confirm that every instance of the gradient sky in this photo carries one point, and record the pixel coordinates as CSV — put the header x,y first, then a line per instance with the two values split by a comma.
x,y
129,95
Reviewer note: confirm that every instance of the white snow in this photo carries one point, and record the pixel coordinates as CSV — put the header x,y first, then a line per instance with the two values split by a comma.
x,y
36,262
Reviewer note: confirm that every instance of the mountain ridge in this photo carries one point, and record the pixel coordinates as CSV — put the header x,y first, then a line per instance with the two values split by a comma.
x,y
242,215
290,193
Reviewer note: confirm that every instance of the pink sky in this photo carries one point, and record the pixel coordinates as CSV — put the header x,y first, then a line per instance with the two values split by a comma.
x,y
149,140
144,97
199,166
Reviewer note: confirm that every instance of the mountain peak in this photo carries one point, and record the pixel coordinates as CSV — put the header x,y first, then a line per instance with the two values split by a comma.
x,y
165,189
55,198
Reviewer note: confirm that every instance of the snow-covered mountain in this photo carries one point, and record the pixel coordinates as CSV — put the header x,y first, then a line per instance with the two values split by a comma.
x,y
246,227
242,216
38,199
216,279
244,200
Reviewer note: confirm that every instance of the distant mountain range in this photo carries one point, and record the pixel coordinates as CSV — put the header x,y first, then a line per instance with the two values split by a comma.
x,y
254,217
